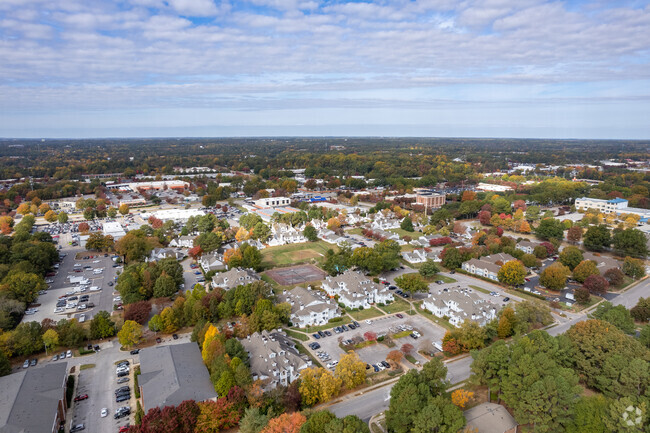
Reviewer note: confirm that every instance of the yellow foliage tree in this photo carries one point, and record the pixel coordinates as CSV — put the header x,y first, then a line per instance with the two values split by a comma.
x,y
242,234
169,322
461,397
23,209
211,334
519,215
333,223
123,209
329,385
318,385
50,216
351,370
524,227
229,254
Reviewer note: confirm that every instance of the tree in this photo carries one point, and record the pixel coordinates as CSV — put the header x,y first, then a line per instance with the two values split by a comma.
x,y
23,286
89,213
484,217
582,295
333,224
112,212
285,423
461,397
242,234
512,273
439,415
490,366
596,284
407,224
530,261
574,234
50,216
571,257
589,415
626,416
452,258
540,252
351,370
412,283
584,269
318,385
5,365
550,228
618,316
554,276
138,312
644,336
130,333
597,238
370,336
62,217
631,242
51,339
253,421
507,322
614,276
134,247
634,268
310,233
641,311
429,269
102,326
123,209
165,286
394,356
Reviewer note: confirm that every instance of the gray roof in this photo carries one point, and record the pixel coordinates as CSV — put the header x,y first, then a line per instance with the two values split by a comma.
x,y
604,263
484,264
303,301
490,418
30,398
499,257
172,374
235,277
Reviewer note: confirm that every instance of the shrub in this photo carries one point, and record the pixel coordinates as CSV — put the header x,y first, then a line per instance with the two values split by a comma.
x,y
69,390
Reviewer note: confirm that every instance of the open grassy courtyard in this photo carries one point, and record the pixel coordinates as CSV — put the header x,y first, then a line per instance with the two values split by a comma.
x,y
295,253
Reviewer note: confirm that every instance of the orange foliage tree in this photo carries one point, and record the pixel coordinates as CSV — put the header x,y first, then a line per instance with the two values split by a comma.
x,y
285,423
461,397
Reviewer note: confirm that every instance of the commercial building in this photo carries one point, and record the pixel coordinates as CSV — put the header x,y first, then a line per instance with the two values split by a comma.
x,y
273,202
33,400
617,205
172,374
430,199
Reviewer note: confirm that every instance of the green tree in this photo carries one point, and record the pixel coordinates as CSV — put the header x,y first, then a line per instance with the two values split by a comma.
x,y
439,415
112,212
130,333
550,228
429,269
589,415
631,242
165,286
644,336
412,283
23,286
597,238
5,365
452,258
62,217
490,366
253,421
634,268
102,326
155,323
641,311
618,316
310,233
512,273
627,416
571,257
407,224
532,213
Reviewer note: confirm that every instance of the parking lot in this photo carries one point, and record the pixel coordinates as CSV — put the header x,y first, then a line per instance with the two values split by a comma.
x,y
381,326
99,288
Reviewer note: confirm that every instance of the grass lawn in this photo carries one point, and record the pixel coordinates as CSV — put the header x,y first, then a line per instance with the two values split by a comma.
x,y
480,289
311,329
357,231
402,233
396,306
301,349
411,359
444,278
368,313
297,335
426,313
295,253
86,366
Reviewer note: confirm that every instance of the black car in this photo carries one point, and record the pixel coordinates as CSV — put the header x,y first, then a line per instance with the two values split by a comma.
x,y
328,333
175,336
121,414
134,351
97,349
321,333
356,324
345,328
123,363
122,397
123,388
385,364
351,326
122,373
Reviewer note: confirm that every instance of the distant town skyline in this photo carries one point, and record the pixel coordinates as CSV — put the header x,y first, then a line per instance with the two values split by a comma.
x,y
441,68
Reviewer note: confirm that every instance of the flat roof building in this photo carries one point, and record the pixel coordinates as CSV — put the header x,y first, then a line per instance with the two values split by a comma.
x,y
430,199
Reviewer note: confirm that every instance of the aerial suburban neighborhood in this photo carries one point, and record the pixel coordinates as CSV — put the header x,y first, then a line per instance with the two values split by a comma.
x,y
208,291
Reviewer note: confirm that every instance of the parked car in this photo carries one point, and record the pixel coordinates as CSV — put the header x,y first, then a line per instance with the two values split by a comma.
x,y
506,299
399,315
123,380
175,336
77,428
103,413
158,340
134,351
68,354
81,397
26,363
55,358
121,398
122,373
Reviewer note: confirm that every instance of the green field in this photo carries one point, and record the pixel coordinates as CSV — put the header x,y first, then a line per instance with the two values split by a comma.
x,y
297,335
295,253
480,289
402,233
357,231
444,278
396,306
368,313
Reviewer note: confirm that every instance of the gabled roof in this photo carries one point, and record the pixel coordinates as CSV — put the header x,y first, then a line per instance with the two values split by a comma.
x,y
172,374
29,399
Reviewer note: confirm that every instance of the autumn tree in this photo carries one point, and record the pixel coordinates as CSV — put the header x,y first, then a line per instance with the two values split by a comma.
x,y
123,209
351,370
461,397
83,227
582,295
554,277
512,273
585,269
571,257
596,284
614,276
130,333
634,268
50,339
318,385
394,356
506,322
285,423
50,216
574,234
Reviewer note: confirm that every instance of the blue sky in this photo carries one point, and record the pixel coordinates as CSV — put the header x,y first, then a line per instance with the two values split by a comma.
x,y
480,68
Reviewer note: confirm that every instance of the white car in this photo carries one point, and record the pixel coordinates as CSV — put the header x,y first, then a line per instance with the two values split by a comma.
x,y
82,318
59,310
117,299
369,322
68,354
104,413
96,261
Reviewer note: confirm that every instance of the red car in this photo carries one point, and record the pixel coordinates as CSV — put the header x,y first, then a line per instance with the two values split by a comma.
x,y
81,397
124,429
399,315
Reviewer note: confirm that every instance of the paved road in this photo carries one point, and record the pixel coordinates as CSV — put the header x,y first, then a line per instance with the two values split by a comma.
x,y
375,401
